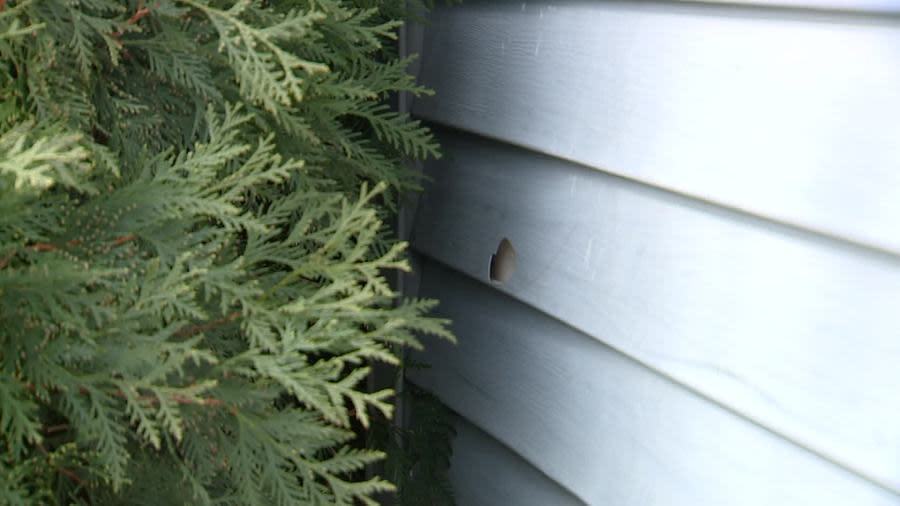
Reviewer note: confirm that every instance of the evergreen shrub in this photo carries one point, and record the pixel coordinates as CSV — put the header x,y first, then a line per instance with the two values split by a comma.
x,y
193,250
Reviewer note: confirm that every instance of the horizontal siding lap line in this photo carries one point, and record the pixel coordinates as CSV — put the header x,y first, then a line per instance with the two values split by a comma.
x,y
752,316
512,480
878,7
649,367
823,231
605,427
812,234
766,120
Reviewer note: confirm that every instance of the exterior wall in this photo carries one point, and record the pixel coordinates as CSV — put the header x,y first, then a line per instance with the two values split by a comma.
x,y
703,202
483,472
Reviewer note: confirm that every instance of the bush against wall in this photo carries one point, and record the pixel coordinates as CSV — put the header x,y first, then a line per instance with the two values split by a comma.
x,y
192,254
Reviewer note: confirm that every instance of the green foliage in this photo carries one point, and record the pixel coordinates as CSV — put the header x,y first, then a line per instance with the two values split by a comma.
x,y
192,253
418,455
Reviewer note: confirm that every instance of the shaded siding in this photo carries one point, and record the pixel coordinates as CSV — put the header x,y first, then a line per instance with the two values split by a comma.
x,y
794,331
703,199
604,426
485,473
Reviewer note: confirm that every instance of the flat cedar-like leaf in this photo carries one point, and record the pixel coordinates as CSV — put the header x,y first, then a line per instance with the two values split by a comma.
x,y
193,258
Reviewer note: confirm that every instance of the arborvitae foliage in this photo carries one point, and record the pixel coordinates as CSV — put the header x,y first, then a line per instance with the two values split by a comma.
x,y
192,257
418,455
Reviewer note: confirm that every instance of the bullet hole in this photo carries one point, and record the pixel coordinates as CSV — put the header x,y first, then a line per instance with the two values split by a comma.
x,y
503,262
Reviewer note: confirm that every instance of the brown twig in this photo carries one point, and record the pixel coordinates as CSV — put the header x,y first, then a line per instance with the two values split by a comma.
x,y
122,240
5,260
66,472
152,399
46,246
193,330
208,401
139,14
53,429
71,475
179,399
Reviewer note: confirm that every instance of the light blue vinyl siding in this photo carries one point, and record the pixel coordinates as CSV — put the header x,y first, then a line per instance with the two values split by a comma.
x,y
703,200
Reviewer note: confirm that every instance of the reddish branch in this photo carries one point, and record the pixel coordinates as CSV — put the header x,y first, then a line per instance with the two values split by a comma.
x,y
203,327
151,399
138,15
53,429
66,472
179,399
5,260
46,246
123,239
208,401
71,475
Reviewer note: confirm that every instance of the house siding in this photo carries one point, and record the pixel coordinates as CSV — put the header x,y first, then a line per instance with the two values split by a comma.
x,y
484,472
702,201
